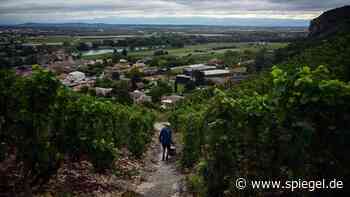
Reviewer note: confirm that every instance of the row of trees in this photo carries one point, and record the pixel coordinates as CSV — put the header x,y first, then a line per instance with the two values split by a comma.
x,y
164,40
42,123
166,61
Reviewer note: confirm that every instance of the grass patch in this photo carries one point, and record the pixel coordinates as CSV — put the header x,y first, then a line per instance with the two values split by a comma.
x,y
94,57
210,50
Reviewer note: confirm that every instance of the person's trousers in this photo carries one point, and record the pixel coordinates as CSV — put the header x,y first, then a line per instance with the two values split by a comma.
x,y
166,147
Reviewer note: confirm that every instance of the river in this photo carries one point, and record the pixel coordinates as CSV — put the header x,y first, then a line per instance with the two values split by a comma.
x,y
97,52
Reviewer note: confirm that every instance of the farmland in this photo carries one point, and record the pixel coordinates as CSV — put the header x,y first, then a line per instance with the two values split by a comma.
x,y
202,51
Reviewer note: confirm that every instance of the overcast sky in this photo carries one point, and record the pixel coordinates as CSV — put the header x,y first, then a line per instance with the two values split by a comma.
x,y
223,12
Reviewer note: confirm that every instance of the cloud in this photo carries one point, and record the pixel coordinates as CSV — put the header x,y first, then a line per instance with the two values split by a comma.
x,y
73,10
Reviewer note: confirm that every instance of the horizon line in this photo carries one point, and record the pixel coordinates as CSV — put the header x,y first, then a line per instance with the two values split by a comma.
x,y
146,24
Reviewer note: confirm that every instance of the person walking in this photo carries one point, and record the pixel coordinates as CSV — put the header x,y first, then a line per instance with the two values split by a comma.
x,y
165,139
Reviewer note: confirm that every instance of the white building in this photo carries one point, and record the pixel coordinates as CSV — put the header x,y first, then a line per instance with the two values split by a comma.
x,y
74,78
216,73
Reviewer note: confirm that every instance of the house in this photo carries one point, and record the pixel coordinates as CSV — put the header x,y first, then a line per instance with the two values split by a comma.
x,y
90,62
182,79
217,76
74,78
217,80
170,101
197,67
139,65
149,71
246,63
215,62
77,80
89,44
103,91
155,77
140,97
216,73
99,61
140,85
123,61
121,66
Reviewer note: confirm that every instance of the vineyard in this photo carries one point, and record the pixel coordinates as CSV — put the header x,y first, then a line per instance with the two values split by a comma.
x,y
42,123
295,129
287,120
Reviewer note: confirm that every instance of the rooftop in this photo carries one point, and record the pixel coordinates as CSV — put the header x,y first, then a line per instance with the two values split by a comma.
x,y
196,66
216,72
183,76
199,67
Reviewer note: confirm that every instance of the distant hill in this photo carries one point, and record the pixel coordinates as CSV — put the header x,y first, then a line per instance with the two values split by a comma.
x,y
145,26
61,25
327,44
330,22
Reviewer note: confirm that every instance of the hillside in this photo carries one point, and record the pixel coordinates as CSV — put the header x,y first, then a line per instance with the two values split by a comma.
x,y
327,44
330,22
288,124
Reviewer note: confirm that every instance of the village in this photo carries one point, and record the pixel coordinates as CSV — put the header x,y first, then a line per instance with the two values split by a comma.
x,y
157,70
143,65
139,76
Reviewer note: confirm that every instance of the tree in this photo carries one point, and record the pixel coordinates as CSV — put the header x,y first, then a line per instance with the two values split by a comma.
x,y
248,54
116,57
83,46
136,76
262,60
125,52
66,44
162,88
231,57
115,76
160,53
120,92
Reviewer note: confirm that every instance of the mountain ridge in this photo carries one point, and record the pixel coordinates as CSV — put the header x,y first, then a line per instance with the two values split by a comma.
x,y
330,22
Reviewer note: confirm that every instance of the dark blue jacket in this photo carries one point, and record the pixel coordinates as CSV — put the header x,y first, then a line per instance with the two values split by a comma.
x,y
165,136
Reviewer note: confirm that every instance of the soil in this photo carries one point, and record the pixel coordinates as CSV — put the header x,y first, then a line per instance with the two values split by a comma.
x,y
146,177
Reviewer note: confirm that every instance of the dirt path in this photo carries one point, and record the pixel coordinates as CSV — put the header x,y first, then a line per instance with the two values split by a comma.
x,y
162,178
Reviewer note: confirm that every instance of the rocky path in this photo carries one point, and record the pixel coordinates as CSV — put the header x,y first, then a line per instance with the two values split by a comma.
x,y
161,177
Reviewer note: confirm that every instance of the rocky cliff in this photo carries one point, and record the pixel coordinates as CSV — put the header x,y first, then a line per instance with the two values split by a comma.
x,y
330,22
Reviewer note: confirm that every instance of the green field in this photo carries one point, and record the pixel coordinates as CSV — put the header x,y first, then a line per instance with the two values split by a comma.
x,y
201,52
209,49
59,39
190,49
94,57
50,39
73,39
